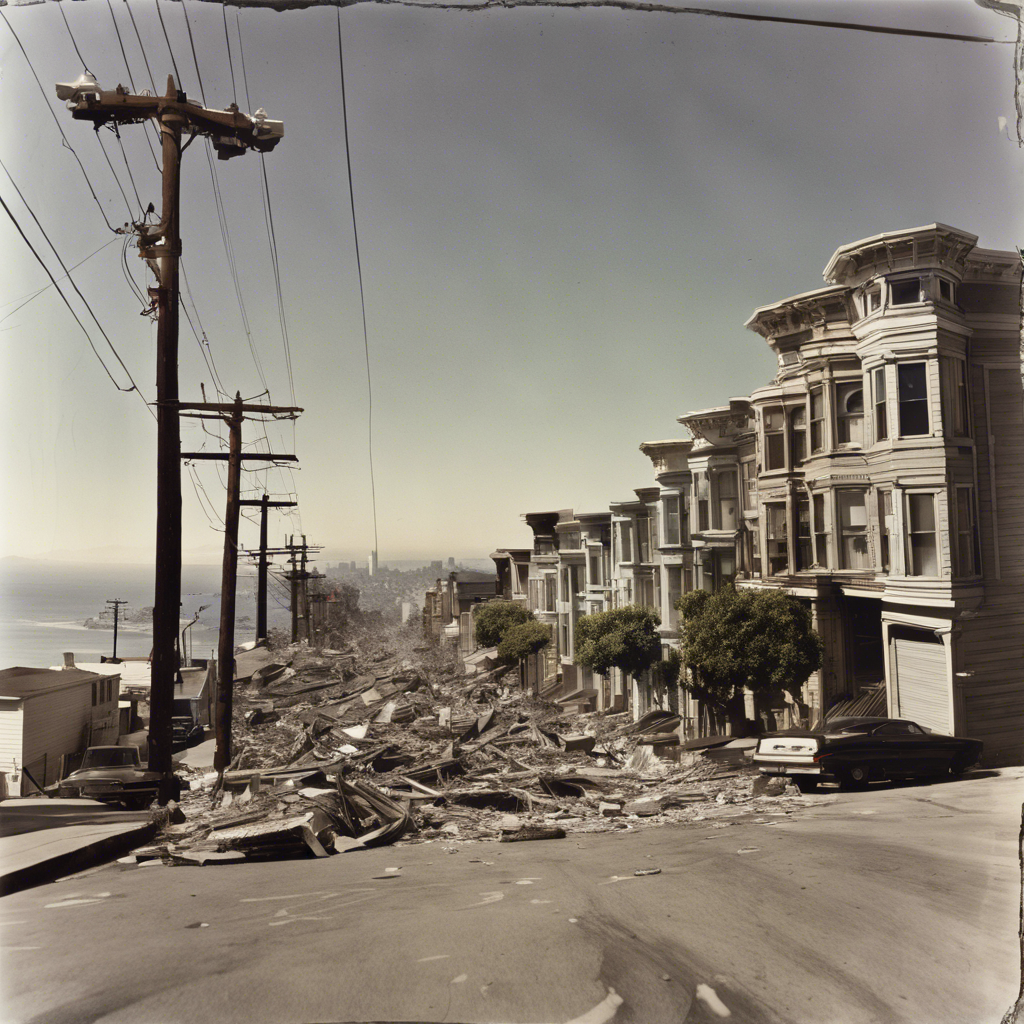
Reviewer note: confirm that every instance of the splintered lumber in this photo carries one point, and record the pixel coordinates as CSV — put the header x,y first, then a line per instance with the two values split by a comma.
x,y
272,838
528,833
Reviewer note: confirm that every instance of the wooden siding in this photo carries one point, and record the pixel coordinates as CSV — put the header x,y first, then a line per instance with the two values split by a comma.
x,y
57,723
11,760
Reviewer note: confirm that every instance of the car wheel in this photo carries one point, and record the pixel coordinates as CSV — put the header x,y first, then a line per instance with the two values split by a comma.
x,y
958,765
806,785
854,777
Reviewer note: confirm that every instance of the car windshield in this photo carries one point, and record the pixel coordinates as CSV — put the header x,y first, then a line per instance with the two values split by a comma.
x,y
109,757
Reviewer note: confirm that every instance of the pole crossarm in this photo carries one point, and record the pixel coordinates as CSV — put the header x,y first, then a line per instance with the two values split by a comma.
x,y
231,131
249,457
216,409
268,504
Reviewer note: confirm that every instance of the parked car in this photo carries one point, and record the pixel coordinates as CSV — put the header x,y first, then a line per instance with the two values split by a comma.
x,y
856,751
113,775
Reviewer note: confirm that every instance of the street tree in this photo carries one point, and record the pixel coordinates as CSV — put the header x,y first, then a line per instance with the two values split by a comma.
x,y
520,642
492,619
759,639
623,638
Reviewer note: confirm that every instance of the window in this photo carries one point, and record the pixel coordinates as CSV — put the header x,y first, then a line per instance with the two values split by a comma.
x,y
913,399
820,531
818,437
701,486
881,416
853,530
671,514
643,532
953,377
728,505
674,574
94,695
873,300
905,293
966,542
595,567
804,549
884,527
625,543
945,290
724,567
922,544
849,413
753,540
774,439
550,592
749,472
797,434
777,537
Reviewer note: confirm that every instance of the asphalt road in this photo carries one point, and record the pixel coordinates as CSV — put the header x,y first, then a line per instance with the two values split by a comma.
x,y
895,905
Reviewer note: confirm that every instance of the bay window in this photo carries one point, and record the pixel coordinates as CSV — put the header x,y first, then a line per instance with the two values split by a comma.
x,y
912,393
797,435
670,508
728,505
853,530
953,377
774,439
922,542
881,416
777,536
819,439
804,544
849,412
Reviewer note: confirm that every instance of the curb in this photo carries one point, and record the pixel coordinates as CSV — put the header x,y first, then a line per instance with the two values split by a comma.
x,y
87,856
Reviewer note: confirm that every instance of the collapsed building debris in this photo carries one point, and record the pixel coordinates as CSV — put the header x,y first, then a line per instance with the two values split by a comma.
x,y
384,742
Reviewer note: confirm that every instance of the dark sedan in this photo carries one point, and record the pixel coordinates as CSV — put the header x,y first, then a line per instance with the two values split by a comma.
x,y
856,751
113,775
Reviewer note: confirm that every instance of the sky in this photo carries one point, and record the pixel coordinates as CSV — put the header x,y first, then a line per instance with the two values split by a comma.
x,y
564,218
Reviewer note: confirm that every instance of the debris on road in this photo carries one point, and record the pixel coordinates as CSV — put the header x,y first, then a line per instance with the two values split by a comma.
x,y
387,742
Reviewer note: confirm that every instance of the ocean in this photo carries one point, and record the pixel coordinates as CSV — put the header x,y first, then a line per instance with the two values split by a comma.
x,y
43,606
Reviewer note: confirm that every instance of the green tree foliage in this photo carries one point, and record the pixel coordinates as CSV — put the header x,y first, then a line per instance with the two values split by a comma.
x,y
493,618
522,640
757,638
623,638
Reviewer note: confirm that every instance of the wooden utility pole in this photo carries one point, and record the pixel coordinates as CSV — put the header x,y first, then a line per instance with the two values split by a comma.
x,y
296,576
116,604
234,415
263,504
159,244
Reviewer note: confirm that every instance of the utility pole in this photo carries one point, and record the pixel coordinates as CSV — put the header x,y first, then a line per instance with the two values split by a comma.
x,y
234,415
263,504
298,575
232,133
116,604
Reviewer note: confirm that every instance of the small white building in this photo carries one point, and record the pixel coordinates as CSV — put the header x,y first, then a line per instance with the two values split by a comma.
x,y
45,714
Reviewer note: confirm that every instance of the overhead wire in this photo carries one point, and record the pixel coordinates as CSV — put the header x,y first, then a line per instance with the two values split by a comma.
x,y
56,121
170,49
88,337
359,273
38,292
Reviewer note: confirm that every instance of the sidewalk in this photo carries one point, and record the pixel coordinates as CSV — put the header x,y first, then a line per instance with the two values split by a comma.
x,y
34,857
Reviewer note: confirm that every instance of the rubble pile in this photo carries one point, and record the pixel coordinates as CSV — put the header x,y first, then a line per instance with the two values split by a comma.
x,y
386,742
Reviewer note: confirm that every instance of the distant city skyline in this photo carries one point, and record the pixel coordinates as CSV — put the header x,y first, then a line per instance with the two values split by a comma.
x,y
565,219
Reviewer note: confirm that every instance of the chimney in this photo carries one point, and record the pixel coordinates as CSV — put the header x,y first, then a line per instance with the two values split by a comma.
x,y
69,659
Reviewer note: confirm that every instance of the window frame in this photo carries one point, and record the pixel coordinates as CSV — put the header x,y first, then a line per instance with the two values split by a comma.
x,y
718,520
879,404
673,520
846,531
843,418
904,282
955,396
817,424
902,403
966,533
910,533
772,434
797,432
819,528
775,513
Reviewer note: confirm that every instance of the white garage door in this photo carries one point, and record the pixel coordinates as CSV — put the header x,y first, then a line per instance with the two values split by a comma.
x,y
922,691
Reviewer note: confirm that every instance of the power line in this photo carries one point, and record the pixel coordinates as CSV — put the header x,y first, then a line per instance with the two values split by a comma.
x,y
38,292
227,43
174,63
71,280
134,387
56,121
195,60
359,272
85,66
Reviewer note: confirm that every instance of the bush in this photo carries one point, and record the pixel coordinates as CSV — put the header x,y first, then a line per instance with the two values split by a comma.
x,y
493,618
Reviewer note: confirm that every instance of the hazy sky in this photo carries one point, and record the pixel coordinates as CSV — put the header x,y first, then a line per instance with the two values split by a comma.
x,y
565,218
